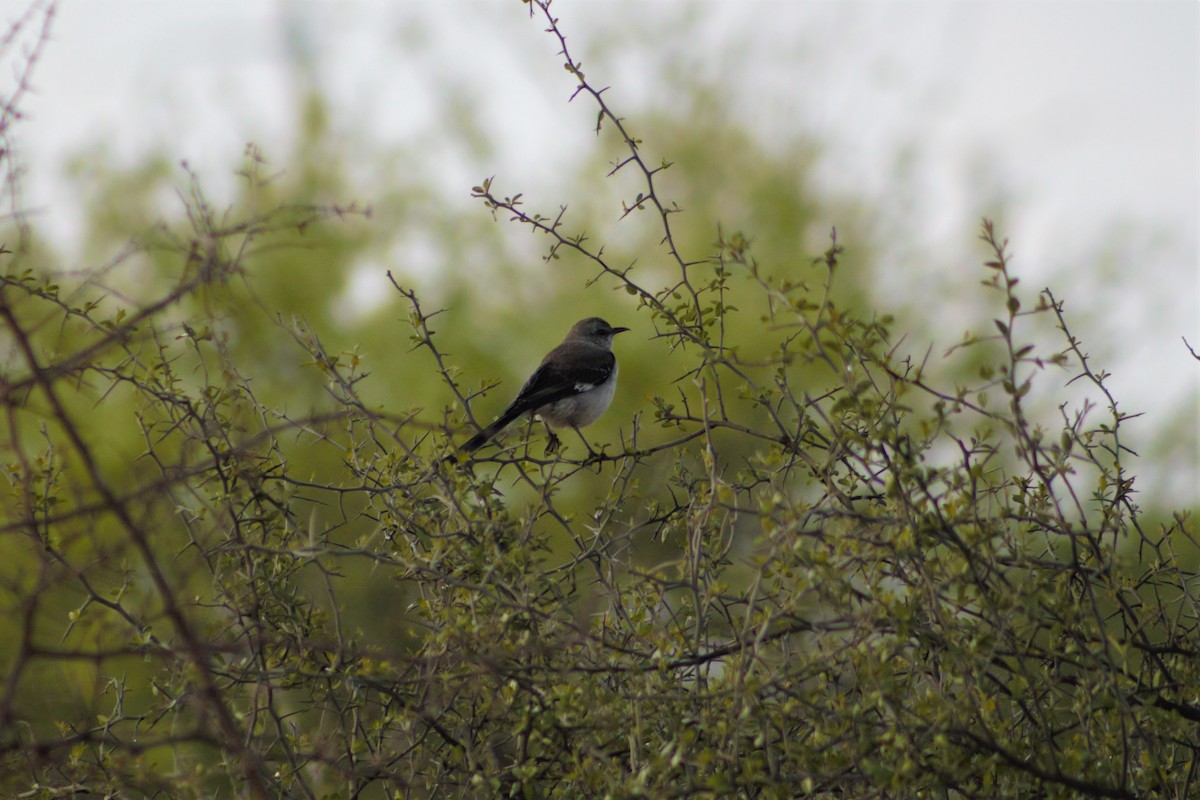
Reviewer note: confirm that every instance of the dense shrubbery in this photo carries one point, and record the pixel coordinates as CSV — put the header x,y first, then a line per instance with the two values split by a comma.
x,y
823,568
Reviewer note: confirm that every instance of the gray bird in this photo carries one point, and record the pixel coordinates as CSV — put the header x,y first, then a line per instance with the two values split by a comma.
x,y
572,386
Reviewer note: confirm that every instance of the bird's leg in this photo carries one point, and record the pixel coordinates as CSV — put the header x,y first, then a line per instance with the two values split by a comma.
x,y
586,443
552,441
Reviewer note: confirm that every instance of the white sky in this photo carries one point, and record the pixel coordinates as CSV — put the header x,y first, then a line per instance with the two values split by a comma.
x,y
1084,116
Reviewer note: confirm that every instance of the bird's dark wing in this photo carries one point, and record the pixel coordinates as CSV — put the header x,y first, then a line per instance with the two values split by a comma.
x,y
550,382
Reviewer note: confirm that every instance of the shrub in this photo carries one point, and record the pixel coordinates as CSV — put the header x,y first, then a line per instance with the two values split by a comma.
x,y
820,570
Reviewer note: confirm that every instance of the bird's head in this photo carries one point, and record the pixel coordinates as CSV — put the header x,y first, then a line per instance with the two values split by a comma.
x,y
596,330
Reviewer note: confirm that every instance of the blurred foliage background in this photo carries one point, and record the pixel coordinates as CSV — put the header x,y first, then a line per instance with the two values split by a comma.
x,y
424,230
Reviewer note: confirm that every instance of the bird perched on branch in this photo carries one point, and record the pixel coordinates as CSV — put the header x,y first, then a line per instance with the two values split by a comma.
x,y
571,388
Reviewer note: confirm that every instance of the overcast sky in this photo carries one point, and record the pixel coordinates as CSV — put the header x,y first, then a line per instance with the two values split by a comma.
x,y
1085,116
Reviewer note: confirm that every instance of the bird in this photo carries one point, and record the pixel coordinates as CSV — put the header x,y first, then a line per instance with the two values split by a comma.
x,y
571,388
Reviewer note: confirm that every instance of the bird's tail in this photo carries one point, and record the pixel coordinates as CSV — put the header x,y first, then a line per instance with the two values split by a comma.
x,y
484,436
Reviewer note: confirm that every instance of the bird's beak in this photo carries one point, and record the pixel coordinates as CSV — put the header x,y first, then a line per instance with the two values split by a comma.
x,y
619,330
